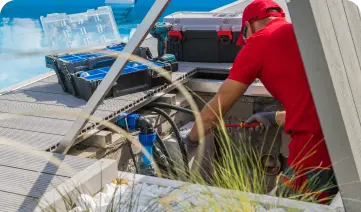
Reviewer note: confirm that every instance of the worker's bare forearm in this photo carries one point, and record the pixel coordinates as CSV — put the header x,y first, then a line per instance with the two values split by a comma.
x,y
209,117
212,113
281,118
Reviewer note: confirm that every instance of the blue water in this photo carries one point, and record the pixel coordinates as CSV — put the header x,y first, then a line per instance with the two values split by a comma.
x,y
20,30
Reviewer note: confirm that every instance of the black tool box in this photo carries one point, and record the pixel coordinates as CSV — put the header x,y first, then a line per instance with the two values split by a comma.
x,y
80,74
204,36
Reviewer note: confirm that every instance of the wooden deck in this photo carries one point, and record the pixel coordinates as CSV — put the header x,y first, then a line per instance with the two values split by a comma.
x,y
26,175
39,114
35,115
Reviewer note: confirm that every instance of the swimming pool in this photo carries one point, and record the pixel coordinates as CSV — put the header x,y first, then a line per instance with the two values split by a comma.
x,y
20,30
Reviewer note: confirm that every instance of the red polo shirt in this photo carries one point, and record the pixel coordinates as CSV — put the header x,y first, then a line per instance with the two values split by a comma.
x,y
272,55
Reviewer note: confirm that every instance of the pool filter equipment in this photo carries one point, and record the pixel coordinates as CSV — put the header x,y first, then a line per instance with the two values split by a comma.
x,y
147,141
147,137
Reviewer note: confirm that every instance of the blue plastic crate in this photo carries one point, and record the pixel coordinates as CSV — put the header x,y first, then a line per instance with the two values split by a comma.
x,y
133,79
96,65
126,70
99,74
74,63
80,57
117,48
106,69
95,77
91,73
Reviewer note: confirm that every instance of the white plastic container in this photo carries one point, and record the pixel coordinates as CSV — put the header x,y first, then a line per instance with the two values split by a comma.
x,y
91,28
224,20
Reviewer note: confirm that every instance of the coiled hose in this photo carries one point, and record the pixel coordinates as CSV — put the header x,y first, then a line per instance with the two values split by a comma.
x,y
177,135
145,125
169,106
272,170
163,155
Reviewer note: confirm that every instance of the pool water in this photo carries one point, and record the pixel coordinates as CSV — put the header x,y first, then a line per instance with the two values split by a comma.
x,y
21,31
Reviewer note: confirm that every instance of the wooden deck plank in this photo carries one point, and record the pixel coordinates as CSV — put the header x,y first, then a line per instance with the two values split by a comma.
x,y
27,183
64,99
45,87
44,110
26,176
14,202
29,160
32,140
36,124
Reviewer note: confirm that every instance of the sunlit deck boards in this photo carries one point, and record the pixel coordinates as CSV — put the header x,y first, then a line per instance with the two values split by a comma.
x,y
40,114
26,176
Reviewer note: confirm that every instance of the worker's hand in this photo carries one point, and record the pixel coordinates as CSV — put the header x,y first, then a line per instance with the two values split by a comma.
x,y
189,143
268,120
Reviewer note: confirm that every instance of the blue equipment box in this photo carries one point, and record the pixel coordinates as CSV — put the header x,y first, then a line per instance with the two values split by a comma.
x,y
88,70
73,63
135,77
67,66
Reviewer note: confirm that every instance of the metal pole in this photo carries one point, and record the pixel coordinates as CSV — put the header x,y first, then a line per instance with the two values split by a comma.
x,y
142,31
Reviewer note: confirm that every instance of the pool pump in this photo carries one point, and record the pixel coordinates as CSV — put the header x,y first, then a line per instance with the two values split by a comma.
x,y
147,138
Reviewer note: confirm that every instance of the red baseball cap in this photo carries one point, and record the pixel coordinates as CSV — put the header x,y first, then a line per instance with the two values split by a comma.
x,y
257,10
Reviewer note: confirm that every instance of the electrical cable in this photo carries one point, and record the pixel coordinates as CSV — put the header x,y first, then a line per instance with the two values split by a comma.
x,y
146,127
177,135
160,159
165,151
169,106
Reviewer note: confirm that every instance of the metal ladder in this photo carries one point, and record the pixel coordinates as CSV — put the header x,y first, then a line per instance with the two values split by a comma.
x,y
121,11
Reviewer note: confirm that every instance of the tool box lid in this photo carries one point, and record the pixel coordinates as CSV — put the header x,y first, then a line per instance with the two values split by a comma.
x,y
224,20
201,27
89,29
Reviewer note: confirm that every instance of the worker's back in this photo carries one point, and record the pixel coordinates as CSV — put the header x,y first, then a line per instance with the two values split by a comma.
x,y
272,55
284,76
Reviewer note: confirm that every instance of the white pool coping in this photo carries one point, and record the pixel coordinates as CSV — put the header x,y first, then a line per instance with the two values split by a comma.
x,y
89,181
257,198
26,82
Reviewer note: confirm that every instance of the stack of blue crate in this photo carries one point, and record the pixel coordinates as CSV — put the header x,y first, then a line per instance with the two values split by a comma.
x,y
80,74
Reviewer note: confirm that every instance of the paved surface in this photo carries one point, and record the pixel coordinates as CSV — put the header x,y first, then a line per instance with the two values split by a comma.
x,y
25,176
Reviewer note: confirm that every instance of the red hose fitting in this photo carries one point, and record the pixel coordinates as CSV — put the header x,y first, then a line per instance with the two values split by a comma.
x,y
244,125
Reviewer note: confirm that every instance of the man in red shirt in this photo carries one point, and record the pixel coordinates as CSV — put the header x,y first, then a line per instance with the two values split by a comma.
x,y
271,53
